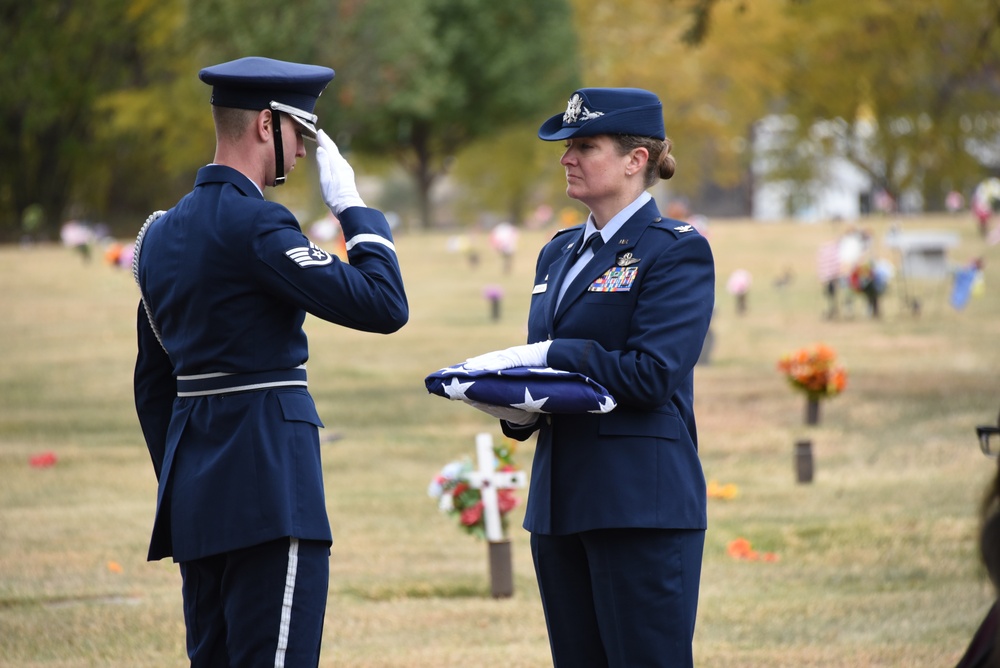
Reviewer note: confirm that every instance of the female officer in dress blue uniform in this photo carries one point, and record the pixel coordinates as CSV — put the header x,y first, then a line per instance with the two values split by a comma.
x,y
617,505
226,280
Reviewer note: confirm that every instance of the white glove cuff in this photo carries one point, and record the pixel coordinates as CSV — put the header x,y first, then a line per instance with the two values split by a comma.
x,y
543,351
346,202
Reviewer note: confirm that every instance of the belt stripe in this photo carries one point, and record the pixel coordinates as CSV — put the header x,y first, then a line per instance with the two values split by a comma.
x,y
205,384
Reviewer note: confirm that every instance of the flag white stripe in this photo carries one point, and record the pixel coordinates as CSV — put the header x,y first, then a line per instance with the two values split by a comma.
x,y
286,603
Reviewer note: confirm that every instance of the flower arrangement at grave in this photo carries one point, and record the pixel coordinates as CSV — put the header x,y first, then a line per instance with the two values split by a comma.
x,y
815,373
456,497
494,296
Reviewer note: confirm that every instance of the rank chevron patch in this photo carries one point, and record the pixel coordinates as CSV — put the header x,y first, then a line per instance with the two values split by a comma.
x,y
309,256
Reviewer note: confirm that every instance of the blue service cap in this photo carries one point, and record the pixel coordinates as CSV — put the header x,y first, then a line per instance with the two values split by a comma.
x,y
264,83
604,111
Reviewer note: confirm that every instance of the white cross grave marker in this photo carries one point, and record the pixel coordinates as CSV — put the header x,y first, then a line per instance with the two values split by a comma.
x,y
488,480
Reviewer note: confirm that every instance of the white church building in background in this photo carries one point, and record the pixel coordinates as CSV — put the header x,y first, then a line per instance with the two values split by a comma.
x,y
840,190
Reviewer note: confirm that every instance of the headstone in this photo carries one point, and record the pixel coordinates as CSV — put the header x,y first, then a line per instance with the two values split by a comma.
x,y
804,461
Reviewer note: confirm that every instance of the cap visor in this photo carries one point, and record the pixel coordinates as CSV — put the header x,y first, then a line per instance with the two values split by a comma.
x,y
553,130
308,129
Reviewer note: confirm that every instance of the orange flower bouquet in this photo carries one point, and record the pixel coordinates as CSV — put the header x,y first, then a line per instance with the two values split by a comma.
x,y
814,372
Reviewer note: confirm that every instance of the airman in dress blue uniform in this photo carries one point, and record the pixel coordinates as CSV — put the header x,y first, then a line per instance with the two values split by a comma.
x,y
617,501
226,279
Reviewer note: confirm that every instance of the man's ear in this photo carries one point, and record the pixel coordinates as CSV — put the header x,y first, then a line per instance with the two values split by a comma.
x,y
263,125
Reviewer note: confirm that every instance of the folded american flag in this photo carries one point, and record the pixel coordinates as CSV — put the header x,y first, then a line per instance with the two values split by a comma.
x,y
532,389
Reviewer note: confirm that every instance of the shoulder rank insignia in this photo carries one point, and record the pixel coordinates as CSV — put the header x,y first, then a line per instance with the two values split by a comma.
x,y
684,228
627,259
309,256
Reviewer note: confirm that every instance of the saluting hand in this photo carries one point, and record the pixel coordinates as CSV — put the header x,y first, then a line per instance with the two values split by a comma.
x,y
336,177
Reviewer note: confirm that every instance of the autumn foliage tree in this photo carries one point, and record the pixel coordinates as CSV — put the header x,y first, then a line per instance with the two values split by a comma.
x,y
905,91
104,117
422,79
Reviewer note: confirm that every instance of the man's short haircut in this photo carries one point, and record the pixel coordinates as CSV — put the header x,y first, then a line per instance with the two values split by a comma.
x,y
231,123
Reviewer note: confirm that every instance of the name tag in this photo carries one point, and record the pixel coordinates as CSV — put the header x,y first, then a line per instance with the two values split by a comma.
x,y
540,288
616,279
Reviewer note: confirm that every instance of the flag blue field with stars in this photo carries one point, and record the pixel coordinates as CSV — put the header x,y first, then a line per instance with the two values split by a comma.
x,y
532,389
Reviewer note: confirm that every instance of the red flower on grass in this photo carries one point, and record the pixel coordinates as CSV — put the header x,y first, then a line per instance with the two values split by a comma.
x,y
44,460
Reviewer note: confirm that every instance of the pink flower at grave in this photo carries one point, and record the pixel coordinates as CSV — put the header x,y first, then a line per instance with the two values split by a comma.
x,y
493,292
739,282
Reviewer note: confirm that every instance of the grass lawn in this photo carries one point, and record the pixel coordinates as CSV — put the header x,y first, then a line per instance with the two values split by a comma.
x,y
876,558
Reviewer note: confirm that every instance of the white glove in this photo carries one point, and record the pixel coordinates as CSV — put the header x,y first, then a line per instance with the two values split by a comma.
x,y
336,177
513,415
532,354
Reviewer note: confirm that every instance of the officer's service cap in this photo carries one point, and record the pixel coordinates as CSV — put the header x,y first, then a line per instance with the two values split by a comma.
x,y
264,83
603,111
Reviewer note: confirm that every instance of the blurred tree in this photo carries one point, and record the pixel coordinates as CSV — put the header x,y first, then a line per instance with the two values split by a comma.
x,y
714,64
421,79
512,171
154,126
229,29
59,57
161,127
906,91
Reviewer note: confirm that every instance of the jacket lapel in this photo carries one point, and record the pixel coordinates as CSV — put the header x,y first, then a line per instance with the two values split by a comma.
x,y
625,240
557,273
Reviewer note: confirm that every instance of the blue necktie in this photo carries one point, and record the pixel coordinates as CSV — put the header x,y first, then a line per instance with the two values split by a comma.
x,y
594,241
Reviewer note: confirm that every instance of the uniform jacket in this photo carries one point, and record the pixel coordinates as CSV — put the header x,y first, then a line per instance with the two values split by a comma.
x,y
228,278
634,320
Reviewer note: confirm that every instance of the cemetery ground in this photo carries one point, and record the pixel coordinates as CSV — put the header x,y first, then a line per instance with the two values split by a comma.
x,y
875,558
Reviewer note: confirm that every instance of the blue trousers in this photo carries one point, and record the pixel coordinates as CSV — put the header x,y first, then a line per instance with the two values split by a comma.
x,y
259,606
620,598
